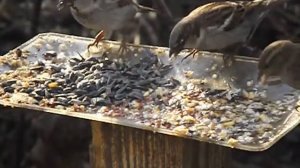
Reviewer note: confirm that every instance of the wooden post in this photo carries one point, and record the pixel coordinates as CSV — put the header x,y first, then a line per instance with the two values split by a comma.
x,y
120,146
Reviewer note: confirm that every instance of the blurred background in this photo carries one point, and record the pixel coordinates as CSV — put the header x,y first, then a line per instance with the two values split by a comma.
x,y
34,140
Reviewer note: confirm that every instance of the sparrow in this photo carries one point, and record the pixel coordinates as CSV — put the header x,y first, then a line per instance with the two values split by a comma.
x,y
280,60
105,15
218,25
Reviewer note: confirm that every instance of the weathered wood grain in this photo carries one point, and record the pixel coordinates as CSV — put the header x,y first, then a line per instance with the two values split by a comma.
x,y
119,146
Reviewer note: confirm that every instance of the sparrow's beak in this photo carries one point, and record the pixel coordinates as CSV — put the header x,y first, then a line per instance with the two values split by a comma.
x,y
262,79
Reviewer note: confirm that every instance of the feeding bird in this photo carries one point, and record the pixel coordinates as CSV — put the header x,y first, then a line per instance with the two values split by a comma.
x,y
105,15
218,25
280,60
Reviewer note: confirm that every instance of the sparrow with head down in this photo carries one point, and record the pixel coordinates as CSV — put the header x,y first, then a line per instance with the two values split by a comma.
x,y
218,25
280,60
105,15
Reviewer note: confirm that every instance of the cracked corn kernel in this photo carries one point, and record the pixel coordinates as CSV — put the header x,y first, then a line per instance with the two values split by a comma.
x,y
181,130
228,124
53,85
232,142
190,110
103,109
15,63
188,74
188,119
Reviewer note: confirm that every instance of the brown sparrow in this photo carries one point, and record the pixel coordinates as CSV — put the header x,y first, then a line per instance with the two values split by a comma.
x,y
105,15
280,59
218,25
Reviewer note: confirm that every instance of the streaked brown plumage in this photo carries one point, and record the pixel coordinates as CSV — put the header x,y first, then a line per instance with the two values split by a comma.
x,y
105,15
218,25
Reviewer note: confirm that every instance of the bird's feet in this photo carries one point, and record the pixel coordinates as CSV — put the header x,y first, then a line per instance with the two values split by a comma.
x,y
192,53
228,60
99,37
123,48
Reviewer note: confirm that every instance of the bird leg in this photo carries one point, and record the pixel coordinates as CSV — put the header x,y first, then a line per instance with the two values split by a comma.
x,y
240,49
123,47
192,53
99,37
228,59
228,55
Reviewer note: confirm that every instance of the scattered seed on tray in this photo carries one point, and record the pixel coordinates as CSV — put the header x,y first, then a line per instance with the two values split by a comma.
x,y
144,93
94,81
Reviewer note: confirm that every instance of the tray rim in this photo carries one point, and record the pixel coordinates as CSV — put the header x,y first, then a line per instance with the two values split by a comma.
x,y
128,123
244,58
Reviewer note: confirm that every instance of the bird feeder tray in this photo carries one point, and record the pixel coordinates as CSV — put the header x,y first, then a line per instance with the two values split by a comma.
x,y
206,101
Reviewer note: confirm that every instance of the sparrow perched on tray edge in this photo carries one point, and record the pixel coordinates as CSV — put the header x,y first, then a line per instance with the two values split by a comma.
x,y
280,59
218,25
105,15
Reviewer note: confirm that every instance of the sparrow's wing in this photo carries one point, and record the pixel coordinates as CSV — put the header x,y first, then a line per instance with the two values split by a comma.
x,y
242,11
224,16
213,15
253,12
